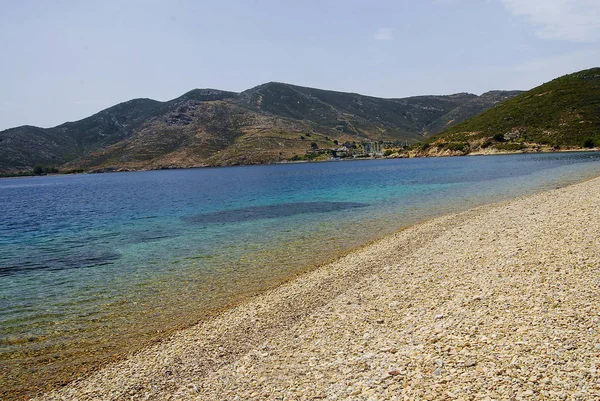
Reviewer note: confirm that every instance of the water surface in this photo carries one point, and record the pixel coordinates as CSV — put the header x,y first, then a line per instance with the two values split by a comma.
x,y
94,265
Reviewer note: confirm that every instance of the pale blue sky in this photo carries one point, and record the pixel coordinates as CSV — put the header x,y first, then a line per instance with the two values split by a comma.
x,y
65,60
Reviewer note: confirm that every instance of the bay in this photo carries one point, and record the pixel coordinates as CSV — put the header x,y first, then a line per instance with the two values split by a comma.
x,y
95,266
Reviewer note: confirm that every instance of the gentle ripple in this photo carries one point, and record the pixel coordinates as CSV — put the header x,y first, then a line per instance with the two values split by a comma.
x,y
92,266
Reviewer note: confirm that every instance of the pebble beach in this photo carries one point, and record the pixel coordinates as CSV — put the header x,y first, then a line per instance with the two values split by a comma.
x,y
498,302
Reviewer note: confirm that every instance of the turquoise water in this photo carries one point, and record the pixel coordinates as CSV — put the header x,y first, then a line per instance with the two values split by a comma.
x,y
94,265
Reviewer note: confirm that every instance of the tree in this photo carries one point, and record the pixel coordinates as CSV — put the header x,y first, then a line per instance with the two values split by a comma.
x,y
499,137
314,145
589,143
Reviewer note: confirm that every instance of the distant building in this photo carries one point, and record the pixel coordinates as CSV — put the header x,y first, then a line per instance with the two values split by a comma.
x,y
372,148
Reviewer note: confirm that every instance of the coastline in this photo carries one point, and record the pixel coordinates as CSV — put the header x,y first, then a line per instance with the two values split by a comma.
x,y
478,303
402,156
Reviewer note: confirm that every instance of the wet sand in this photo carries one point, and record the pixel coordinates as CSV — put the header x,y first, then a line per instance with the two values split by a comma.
x,y
499,302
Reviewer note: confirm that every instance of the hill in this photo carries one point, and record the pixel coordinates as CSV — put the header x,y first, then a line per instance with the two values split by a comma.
x,y
366,116
561,114
207,127
468,109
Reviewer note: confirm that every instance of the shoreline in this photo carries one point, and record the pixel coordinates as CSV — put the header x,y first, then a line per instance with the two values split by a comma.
x,y
499,153
237,352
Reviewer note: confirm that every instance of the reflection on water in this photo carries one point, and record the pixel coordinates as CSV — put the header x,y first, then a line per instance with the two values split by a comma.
x,y
94,265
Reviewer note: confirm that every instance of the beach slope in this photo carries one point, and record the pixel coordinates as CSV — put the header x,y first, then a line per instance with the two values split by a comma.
x,y
499,302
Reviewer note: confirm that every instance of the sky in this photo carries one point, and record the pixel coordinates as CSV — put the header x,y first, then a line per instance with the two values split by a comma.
x,y
65,60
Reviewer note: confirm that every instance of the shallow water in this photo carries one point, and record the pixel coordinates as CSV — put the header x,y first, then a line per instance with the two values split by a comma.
x,y
94,265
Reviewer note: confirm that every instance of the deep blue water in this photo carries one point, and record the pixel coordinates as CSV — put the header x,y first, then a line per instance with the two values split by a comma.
x,y
97,261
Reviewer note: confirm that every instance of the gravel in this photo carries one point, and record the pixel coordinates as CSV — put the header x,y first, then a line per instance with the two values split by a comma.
x,y
499,302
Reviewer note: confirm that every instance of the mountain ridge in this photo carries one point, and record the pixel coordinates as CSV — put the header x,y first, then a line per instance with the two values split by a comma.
x,y
563,113
268,123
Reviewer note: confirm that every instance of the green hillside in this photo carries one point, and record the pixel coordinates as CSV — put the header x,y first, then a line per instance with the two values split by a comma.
x,y
363,116
562,113
468,109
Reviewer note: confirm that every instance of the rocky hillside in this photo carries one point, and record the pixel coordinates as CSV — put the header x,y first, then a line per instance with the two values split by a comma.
x,y
560,114
354,114
23,147
205,127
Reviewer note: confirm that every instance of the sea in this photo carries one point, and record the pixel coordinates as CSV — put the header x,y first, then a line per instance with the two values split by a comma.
x,y
95,266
